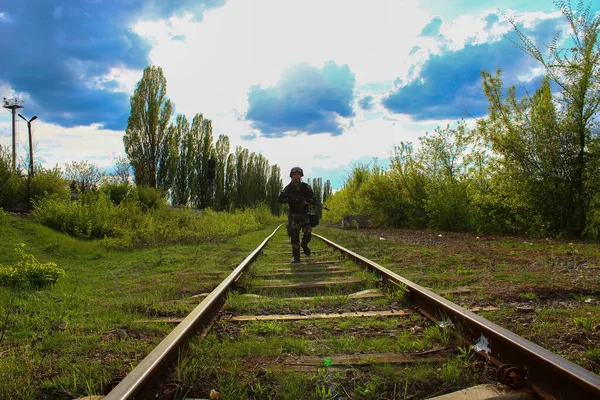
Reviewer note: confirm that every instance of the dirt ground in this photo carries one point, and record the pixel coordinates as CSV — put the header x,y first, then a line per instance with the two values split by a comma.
x,y
547,290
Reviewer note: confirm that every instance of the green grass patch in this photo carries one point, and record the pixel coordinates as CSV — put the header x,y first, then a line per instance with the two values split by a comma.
x,y
79,333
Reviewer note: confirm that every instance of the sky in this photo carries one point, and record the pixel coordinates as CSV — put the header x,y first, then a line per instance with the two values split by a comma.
x,y
320,84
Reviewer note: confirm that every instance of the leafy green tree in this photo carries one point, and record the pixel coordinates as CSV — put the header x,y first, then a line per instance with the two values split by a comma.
x,y
147,129
442,160
221,152
186,162
11,185
327,191
408,173
169,159
49,182
274,187
202,130
560,142
241,184
230,191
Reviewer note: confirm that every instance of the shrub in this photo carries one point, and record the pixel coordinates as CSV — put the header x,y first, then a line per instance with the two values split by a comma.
x,y
150,197
90,217
118,192
29,271
47,182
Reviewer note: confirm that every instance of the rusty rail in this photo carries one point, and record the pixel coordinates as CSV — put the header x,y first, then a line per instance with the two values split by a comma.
x,y
140,382
521,362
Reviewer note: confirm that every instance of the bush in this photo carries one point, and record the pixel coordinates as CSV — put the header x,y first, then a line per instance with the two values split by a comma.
x,y
47,182
89,217
29,271
150,198
118,192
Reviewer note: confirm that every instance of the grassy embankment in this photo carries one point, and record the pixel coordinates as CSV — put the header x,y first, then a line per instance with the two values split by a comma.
x,y
70,339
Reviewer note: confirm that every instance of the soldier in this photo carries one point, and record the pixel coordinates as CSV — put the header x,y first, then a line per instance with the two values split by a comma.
x,y
298,212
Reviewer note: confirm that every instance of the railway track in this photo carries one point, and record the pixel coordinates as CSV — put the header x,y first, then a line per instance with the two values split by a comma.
x,y
340,326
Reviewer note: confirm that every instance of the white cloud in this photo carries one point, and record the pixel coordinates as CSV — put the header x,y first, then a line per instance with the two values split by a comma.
x,y
245,43
55,145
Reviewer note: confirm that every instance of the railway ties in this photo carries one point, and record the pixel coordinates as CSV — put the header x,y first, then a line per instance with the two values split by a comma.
x,y
326,328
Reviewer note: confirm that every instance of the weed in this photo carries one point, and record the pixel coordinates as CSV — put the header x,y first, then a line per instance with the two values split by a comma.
x,y
583,322
593,353
369,390
437,334
579,297
464,271
529,296
465,353
398,294
323,393
265,328
451,372
29,271
230,388
294,345
293,386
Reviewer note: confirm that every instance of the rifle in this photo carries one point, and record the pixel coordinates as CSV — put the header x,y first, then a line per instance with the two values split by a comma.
x,y
302,198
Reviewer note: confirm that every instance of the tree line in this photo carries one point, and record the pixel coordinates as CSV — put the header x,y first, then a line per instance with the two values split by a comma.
x,y
532,166
180,160
185,161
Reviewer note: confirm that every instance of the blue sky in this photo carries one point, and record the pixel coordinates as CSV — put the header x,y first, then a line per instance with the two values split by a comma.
x,y
321,84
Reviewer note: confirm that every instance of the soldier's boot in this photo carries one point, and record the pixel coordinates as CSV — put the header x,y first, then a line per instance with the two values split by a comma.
x,y
306,249
296,253
305,239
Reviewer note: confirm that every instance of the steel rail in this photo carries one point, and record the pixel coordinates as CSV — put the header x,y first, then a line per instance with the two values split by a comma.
x,y
549,375
140,382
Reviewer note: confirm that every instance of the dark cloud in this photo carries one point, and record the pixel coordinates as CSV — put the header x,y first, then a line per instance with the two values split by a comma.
x,y
306,99
366,103
56,51
450,84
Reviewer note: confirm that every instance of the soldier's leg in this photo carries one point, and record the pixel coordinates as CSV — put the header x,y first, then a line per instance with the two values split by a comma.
x,y
295,239
307,234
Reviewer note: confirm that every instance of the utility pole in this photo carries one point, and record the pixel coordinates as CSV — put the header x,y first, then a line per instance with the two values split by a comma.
x,y
13,105
30,142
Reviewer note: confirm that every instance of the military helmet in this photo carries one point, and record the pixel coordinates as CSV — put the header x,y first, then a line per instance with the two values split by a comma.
x,y
296,169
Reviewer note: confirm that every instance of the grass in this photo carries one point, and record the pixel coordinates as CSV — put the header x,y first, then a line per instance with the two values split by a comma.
x,y
72,338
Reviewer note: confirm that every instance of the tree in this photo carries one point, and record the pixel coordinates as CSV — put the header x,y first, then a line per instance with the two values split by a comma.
x,y
327,191
274,187
221,151
576,71
122,170
441,159
202,131
147,130
186,162
84,174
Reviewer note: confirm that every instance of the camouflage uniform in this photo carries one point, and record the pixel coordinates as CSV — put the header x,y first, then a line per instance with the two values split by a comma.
x,y
298,219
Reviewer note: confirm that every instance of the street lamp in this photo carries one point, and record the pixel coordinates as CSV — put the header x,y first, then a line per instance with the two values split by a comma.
x,y
30,141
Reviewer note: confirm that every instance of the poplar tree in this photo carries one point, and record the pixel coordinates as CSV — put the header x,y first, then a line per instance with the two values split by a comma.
x,y
327,191
274,187
185,165
147,128
221,152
